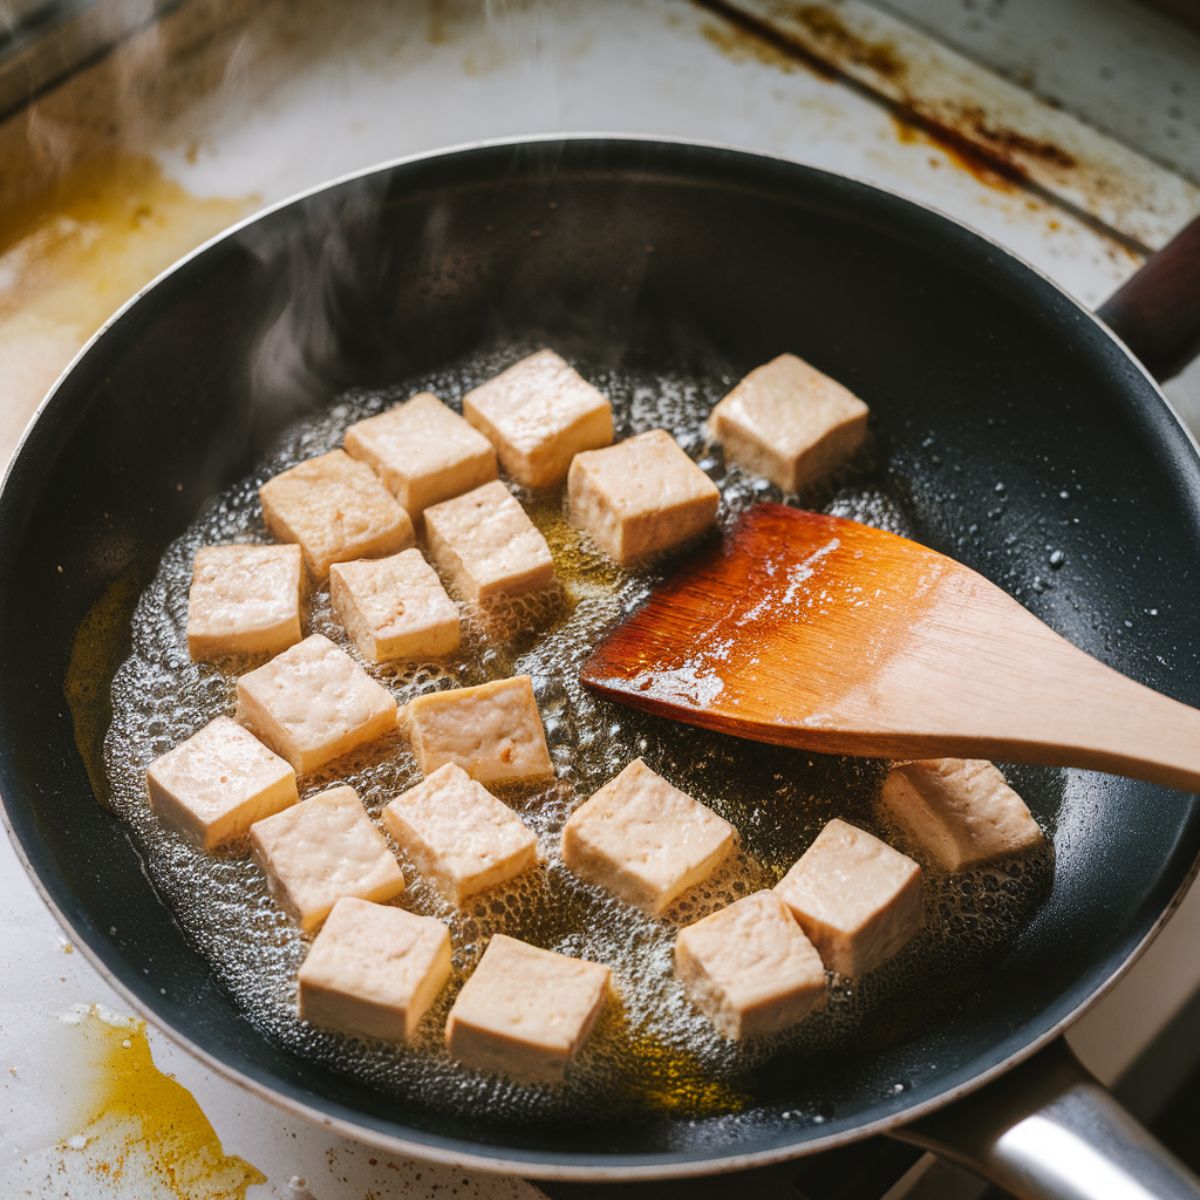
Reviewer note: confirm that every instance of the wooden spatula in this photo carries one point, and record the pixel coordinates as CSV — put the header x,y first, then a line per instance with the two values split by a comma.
x,y
812,631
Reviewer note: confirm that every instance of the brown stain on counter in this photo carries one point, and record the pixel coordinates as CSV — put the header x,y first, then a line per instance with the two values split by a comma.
x,y
845,46
973,139
908,133
742,46
144,1125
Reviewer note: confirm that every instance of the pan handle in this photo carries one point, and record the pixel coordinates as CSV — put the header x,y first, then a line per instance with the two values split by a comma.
x,y
1156,312
1047,1130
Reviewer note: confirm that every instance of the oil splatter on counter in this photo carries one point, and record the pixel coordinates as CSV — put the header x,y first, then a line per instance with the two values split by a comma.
x,y
142,1125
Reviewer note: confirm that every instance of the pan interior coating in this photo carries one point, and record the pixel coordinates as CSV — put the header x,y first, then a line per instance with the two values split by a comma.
x,y
651,1052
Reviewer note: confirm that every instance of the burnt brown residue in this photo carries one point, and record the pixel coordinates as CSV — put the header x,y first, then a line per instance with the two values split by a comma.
x,y
1014,140
991,152
743,46
844,45
745,38
972,138
957,152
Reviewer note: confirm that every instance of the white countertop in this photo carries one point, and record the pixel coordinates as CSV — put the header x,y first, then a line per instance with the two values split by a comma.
x,y
288,96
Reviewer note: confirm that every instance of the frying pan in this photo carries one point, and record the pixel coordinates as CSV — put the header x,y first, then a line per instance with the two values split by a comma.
x,y
620,251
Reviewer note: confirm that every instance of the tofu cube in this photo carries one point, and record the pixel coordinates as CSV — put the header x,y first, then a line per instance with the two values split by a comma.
x,y
313,703
525,1012
640,497
961,812
244,600
493,732
749,968
322,849
459,835
336,509
423,451
394,607
789,422
215,785
539,414
374,970
644,840
858,900
487,545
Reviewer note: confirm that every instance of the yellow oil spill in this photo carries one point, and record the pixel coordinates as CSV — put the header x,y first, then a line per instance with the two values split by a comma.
x,y
145,1128
96,651
75,254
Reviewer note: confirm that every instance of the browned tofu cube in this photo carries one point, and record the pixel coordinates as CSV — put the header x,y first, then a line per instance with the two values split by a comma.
x,y
644,840
858,900
487,544
215,785
424,452
374,970
394,607
493,731
641,497
789,422
313,703
459,835
539,414
336,509
322,849
525,1012
749,968
961,812
244,600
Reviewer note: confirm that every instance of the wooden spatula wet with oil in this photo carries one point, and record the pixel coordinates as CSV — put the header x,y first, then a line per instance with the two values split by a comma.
x,y
812,631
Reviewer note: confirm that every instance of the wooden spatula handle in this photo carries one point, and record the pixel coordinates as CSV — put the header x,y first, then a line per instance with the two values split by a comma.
x,y
1024,693
1104,722
991,681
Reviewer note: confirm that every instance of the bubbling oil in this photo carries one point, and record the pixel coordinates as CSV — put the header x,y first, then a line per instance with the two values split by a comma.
x,y
651,1051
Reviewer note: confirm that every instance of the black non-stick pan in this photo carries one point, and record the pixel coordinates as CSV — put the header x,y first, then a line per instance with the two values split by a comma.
x,y
625,252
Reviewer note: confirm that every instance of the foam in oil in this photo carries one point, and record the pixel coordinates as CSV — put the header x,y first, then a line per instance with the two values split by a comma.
x,y
650,1052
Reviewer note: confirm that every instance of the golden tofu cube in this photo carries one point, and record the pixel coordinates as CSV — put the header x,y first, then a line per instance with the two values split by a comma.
x,y
394,607
423,451
313,703
374,970
525,1012
244,600
215,785
644,840
641,497
539,414
336,510
322,849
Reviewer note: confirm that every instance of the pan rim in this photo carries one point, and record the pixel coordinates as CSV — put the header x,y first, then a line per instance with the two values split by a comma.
x,y
573,1165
